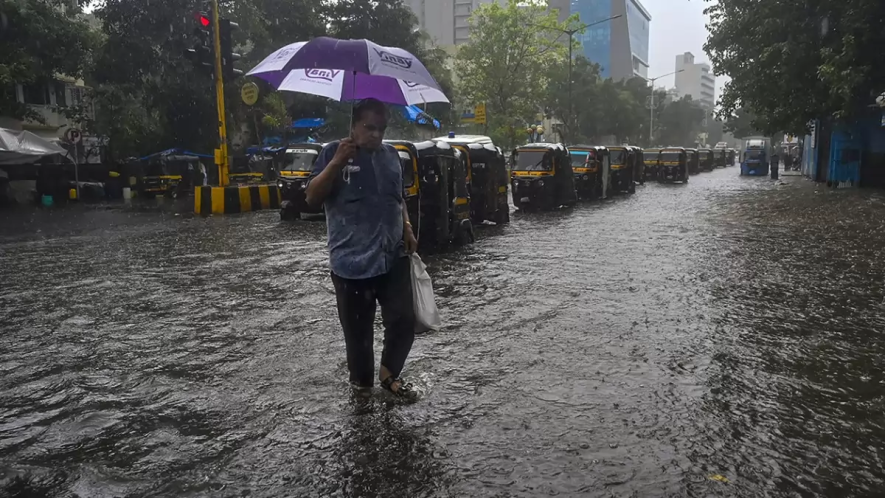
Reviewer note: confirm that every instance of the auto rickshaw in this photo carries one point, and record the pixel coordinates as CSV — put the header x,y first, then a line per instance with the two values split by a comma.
x,y
293,165
171,175
708,159
694,161
436,191
249,170
721,157
673,165
623,167
591,167
487,176
732,155
542,176
651,157
638,161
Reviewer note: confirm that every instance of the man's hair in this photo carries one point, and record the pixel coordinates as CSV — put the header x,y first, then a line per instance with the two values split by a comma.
x,y
366,106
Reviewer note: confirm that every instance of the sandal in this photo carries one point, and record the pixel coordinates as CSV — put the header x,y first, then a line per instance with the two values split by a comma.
x,y
403,391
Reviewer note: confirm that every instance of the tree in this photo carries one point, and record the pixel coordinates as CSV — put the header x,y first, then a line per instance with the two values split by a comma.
x,y
584,104
680,122
507,64
791,62
741,123
39,40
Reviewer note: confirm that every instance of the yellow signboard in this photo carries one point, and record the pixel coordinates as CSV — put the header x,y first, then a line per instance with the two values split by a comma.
x,y
249,93
479,114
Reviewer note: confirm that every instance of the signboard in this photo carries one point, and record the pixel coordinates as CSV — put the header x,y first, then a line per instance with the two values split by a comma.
x,y
479,114
73,136
249,93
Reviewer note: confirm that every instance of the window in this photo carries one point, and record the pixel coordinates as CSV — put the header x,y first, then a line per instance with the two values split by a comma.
x,y
408,169
59,89
36,94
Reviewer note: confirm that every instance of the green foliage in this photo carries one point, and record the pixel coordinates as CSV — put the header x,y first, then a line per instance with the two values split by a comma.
x,y
680,122
508,63
38,41
793,62
740,123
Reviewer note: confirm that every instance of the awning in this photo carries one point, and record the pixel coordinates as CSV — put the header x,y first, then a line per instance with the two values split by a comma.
x,y
24,147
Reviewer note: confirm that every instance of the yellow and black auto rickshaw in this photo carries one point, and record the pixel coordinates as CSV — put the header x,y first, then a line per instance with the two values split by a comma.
x,y
707,158
721,157
694,161
542,176
293,165
436,191
623,166
638,161
651,157
249,170
169,174
592,168
487,176
673,165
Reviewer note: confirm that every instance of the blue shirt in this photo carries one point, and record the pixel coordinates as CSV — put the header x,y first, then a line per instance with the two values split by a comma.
x,y
364,216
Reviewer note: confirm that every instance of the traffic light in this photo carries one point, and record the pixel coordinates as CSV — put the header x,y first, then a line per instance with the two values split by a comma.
x,y
228,57
201,54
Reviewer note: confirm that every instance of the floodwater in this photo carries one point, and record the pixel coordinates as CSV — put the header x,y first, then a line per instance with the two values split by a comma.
x,y
721,338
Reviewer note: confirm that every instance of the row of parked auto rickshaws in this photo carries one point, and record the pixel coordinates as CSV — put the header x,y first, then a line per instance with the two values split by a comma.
x,y
450,184
454,183
677,164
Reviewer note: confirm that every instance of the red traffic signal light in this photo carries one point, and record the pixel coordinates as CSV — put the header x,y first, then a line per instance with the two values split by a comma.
x,y
203,19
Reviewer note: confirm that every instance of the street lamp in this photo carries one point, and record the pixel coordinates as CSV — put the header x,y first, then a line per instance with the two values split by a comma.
x,y
651,126
571,33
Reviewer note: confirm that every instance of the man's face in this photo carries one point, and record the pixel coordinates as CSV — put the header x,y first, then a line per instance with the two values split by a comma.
x,y
368,132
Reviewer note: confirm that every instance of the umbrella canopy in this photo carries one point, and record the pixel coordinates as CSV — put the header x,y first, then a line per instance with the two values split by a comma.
x,y
354,56
348,70
23,147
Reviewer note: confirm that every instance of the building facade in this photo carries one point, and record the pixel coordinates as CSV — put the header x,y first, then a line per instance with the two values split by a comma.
x,y
447,22
696,80
619,46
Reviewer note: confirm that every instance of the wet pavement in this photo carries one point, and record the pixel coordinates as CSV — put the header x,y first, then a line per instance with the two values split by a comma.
x,y
721,338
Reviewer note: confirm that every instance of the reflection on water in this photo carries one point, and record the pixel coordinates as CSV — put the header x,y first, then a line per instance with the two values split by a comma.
x,y
642,346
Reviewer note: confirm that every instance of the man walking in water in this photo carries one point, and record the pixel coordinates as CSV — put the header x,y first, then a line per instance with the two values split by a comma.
x,y
359,182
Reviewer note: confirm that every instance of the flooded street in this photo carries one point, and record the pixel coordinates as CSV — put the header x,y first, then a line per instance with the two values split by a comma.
x,y
721,338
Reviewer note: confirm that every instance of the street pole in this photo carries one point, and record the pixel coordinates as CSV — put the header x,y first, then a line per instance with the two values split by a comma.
x,y
221,157
651,126
571,110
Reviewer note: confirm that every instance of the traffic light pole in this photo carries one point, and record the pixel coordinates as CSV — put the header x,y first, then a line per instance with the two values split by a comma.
x,y
221,156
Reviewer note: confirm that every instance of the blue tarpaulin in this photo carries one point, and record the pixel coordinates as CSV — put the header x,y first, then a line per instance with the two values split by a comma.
x,y
309,123
414,114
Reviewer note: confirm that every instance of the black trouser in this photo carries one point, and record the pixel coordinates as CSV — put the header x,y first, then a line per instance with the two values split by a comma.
x,y
356,310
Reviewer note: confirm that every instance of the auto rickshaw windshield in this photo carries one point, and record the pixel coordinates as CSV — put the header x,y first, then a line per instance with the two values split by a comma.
x,y
156,168
533,160
650,156
670,156
408,172
300,160
581,157
619,157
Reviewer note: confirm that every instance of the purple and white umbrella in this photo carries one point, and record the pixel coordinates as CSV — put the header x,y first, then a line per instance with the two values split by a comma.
x,y
349,70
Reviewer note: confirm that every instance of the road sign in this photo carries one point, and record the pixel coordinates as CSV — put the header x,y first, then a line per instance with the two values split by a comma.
x,y
73,135
249,93
479,114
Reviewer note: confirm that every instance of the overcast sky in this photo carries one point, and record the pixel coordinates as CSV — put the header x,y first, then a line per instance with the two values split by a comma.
x,y
677,26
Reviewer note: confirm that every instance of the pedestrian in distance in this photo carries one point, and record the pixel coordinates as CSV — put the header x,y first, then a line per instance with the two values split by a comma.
x,y
775,164
359,182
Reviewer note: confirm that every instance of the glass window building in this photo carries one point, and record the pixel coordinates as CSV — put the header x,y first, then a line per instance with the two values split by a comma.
x,y
619,46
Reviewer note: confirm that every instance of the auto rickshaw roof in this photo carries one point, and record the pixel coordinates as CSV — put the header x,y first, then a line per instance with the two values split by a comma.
x,y
425,147
305,145
598,148
674,149
548,146
465,139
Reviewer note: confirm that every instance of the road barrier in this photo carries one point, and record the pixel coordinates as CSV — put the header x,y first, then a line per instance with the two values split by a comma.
x,y
235,199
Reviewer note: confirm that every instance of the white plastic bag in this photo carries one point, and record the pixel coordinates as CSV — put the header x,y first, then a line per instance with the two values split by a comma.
x,y
426,315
